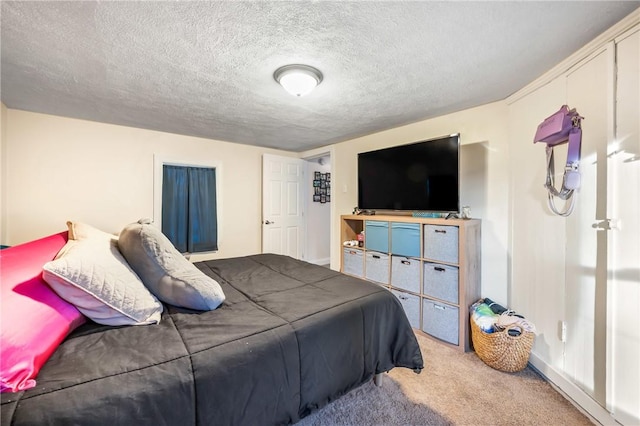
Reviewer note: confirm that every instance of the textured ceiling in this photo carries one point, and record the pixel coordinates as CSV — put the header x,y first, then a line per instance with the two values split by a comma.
x,y
206,68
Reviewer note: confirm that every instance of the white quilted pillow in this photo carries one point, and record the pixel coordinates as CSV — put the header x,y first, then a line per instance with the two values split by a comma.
x,y
90,273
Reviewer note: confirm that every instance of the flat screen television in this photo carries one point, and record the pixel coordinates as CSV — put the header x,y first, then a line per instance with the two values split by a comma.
x,y
421,176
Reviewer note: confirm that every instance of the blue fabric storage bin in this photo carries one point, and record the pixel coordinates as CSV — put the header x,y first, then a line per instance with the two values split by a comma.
x,y
376,235
405,239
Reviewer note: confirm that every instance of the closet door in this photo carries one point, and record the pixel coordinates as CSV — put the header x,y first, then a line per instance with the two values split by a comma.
x,y
589,91
624,242
602,283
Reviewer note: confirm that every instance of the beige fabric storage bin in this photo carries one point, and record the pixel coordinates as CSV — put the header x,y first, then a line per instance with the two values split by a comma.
x,y
377,267
411,305
441,243
440,320
353,262
441,281
405,273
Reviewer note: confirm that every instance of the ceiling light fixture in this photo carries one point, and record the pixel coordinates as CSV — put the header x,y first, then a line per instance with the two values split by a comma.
x,y
298,79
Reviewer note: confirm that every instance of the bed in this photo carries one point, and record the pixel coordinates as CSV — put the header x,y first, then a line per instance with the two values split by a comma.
x,y
289,338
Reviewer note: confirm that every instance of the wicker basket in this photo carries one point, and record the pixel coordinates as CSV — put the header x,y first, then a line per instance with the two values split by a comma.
x,y
501,351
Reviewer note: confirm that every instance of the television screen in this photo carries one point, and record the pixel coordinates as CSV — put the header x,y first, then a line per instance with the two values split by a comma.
x,y
421,176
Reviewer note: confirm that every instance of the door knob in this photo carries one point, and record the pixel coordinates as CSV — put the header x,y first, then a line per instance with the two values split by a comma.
x,y
268,222
606,225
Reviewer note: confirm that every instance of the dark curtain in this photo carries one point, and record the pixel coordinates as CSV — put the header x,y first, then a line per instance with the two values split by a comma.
x,y
189,216
175,205
203,227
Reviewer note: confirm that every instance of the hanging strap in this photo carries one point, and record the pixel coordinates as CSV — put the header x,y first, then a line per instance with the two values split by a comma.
x,y
563,126
571,178
575,142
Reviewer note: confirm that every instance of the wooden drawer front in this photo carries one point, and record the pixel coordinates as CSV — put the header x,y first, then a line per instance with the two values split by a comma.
x,y
440,320
411,305
441,243
353,262
377,267
405,273
441,281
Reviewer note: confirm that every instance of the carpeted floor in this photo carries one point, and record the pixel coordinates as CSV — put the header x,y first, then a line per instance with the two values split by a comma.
x,y
453,389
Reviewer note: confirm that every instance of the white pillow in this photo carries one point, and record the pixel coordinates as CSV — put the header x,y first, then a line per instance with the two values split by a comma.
x,y
166,272
90,273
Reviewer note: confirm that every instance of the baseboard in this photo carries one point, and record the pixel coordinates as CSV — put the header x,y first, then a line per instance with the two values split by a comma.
x,y
573,393
324,261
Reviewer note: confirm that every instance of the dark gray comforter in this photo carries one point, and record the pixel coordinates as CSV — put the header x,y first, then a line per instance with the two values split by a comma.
x,y
290,338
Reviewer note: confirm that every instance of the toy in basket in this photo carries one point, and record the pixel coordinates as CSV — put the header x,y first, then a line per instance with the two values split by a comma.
x,y
501,338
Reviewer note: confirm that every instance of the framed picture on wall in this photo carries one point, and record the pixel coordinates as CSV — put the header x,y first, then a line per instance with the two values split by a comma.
x,y
321,187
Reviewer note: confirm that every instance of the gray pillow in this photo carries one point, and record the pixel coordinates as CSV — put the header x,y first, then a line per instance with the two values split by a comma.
x,y
166,272
90,273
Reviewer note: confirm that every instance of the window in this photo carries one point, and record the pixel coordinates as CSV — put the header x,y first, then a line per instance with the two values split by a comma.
x,y
189,208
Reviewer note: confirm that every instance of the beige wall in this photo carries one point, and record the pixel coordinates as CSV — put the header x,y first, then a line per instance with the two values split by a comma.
x,y
60,168
3,132
481,129
318,217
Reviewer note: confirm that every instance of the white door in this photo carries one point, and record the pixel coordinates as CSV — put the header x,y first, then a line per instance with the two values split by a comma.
x,y
586,246
282,205
623,297
603,238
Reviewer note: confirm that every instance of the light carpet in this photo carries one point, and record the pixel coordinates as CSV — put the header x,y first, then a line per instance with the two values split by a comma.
x,y
453,389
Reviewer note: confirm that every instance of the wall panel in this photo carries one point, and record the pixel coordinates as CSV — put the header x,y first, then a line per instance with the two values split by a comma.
x,y
60,169
537,235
